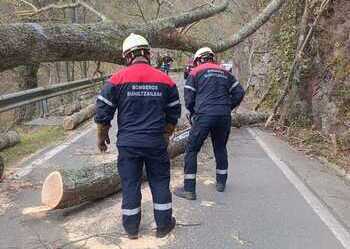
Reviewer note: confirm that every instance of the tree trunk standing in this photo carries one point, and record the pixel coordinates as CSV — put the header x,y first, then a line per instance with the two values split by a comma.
x,y
27,79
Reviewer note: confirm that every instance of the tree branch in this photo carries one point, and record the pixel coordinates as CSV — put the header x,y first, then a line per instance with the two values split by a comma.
x,y
251,27
190,44
37,11
186,18
28,43
140,10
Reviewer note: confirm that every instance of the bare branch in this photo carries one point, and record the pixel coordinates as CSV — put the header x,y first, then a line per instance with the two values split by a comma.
x,y
92,10
251,27
37,11
190,44
159,5
30,5
139,7
186,18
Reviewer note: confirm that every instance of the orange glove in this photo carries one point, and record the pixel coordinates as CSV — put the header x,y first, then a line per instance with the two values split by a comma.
x,y
103,137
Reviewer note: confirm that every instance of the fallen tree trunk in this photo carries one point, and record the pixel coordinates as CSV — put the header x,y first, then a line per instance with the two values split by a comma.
x,y
66,188
9,139
71,122
248,118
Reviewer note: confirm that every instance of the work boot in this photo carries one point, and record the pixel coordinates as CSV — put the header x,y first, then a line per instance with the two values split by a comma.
x,y
220,187
162,232
133,236
180,192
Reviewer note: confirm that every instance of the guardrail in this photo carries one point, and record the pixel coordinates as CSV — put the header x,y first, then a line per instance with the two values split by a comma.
x,y
15,100
19,99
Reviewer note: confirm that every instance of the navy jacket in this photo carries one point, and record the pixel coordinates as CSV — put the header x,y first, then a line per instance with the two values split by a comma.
x,y
146,100
211,90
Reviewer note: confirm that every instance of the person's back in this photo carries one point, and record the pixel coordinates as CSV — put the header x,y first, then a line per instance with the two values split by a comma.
x,y
210,95
213,87
143,95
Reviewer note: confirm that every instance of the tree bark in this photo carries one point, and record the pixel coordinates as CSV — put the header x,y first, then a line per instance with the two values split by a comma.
x,y
28,79
9,139
67,188
28,43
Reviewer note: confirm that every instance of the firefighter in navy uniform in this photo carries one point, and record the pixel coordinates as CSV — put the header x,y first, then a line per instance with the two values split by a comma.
x,y
148,109
211,93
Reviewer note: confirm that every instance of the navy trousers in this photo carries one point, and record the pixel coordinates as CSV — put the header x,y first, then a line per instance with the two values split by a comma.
x,y
130,168
219,128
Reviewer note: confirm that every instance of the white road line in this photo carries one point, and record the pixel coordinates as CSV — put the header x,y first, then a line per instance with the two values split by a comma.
x,y
49,154
339,231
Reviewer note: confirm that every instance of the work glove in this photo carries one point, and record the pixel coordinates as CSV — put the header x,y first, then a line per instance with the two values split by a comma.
x,y
168,132
190,118
103,137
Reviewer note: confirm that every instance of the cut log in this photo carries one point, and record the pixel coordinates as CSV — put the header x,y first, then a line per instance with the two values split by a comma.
x,y
66,188
9,139
71,122
2,168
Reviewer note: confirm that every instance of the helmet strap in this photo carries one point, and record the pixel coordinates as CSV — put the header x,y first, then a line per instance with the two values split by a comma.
x,y
131,56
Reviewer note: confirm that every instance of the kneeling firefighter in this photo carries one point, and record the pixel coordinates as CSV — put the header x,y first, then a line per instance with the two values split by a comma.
x,y
211,93
148,109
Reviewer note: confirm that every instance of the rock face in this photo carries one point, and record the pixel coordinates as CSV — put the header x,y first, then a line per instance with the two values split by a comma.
x,y
320,96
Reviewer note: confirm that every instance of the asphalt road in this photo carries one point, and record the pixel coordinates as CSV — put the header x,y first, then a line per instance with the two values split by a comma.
x,y
276,198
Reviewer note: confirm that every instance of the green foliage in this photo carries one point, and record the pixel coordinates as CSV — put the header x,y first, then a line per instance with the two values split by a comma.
x,y
283,44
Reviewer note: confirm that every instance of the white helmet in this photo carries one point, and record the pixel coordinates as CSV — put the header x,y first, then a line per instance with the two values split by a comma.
x,y
134,42
203,51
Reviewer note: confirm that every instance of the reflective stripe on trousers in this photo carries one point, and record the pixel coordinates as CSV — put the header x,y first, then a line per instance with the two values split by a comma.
x,y
162,207
130,212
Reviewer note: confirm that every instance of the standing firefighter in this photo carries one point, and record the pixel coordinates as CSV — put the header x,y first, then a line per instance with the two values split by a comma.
x,y
148,109
210,95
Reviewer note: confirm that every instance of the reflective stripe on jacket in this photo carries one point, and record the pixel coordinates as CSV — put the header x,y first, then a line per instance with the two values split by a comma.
x,y
211,90
146,99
